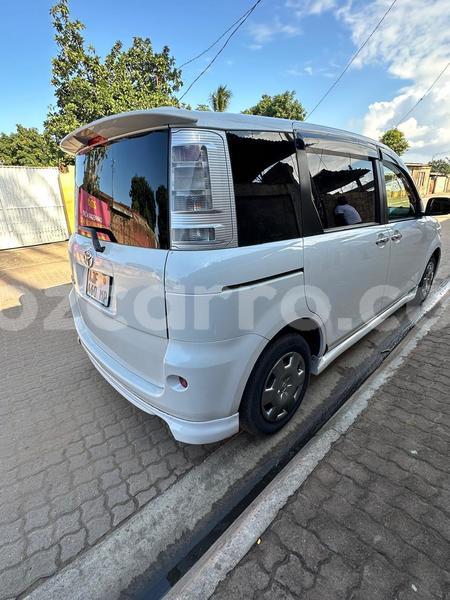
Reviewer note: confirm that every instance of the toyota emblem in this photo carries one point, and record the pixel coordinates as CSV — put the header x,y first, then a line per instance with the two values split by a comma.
x,y
89,257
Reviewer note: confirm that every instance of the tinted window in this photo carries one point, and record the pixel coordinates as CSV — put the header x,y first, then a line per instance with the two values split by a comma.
x,y
122,188
265,185
343,189
401,202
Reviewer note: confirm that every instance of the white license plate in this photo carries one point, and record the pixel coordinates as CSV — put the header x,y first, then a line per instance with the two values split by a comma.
x,y
99,287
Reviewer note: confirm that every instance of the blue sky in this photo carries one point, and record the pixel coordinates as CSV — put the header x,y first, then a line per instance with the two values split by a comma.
x,y
287,44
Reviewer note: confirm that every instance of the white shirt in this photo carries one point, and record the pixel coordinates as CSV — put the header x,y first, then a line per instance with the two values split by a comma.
x,y
350,214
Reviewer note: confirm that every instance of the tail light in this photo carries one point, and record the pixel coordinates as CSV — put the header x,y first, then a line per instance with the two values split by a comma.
x,y
202,207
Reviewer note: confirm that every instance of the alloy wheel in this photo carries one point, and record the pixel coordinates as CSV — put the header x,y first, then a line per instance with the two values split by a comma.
x,y
283,386
427,279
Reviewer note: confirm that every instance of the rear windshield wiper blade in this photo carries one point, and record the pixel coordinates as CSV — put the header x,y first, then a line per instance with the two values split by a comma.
x,y
95,241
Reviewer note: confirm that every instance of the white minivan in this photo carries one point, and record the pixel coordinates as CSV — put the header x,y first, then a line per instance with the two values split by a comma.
x,y
221,259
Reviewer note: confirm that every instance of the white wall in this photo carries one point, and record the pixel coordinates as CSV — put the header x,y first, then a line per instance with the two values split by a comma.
x,y
31,207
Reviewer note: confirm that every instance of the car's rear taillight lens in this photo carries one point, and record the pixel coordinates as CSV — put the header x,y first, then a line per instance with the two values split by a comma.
x,y
195,234
191,185
202,211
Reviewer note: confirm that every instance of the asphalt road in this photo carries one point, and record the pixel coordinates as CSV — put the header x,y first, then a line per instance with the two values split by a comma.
x,y
78,461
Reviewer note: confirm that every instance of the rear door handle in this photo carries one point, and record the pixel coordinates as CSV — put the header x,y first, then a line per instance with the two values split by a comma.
x,y
382,240
396,236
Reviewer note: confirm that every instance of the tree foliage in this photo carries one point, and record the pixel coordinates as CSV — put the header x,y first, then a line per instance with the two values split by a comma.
x,y
204,107
396,140
27,147
87,87
284,106
220,98
142,199
441,166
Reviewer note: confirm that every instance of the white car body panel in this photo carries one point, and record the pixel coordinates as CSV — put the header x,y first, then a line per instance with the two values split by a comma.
x,y
138,278
227,293
204,412
410,253
340,266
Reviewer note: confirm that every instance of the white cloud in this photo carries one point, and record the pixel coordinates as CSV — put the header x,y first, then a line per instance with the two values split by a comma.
x,y
413,42
300,71
310,7
262,33
310,70
413,130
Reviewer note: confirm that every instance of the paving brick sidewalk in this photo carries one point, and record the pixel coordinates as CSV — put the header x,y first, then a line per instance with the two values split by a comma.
x,y
76,459
373,519
35,268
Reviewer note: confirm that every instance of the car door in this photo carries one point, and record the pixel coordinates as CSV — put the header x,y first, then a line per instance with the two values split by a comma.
x,y
346,244
407,231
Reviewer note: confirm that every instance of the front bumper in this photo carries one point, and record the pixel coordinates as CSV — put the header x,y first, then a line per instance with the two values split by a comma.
x,y
217,373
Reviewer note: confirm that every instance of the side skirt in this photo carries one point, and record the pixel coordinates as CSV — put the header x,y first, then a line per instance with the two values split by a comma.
x,y
320,364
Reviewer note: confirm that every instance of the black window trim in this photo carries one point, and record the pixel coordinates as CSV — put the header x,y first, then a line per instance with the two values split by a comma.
x,y
312,224
391,162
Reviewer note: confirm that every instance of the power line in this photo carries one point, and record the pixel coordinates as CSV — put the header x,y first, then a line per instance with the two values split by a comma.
x,y
426,94
334,84
216,41
240,23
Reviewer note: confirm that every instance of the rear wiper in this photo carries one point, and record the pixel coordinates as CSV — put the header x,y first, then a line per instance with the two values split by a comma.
x,y
95,241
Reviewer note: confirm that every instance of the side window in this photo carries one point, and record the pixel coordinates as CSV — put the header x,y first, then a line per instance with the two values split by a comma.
x,y
343,189
401,202
266,186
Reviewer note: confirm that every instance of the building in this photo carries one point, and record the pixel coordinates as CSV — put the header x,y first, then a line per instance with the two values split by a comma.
x,y
429,183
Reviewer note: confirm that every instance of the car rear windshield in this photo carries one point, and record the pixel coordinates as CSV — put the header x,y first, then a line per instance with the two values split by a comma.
x,y
122,191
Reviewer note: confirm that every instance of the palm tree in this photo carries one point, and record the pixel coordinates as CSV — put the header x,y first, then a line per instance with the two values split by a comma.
x,y
220,98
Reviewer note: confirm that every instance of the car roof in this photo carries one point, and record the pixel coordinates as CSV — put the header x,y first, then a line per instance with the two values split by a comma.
x,y
139,121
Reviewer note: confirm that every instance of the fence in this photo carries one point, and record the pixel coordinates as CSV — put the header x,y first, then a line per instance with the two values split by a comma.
x,y
32,210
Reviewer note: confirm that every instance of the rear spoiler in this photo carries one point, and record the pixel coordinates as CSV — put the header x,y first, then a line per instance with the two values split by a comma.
x,y
122,124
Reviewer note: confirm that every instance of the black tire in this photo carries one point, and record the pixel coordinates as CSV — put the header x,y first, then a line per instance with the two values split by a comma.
x,y
280,357
426,282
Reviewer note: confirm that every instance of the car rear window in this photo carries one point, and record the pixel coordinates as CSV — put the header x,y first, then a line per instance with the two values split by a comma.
x,y
122,190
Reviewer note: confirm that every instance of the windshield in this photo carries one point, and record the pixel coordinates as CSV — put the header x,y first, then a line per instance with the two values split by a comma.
x,y
122,191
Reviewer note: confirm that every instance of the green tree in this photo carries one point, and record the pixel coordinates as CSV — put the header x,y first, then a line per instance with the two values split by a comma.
x,y
143,199
396,140
284,105
27,147
203,107
162,223
87,87
441,166
220,98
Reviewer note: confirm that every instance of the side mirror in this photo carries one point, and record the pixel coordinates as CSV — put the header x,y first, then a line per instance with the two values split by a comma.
x,y
438,206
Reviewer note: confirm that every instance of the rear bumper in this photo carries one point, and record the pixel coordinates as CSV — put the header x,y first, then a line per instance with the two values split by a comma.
x,y
189,432
217,373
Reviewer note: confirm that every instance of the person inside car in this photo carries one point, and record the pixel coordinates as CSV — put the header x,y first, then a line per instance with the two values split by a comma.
x,y
345,213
